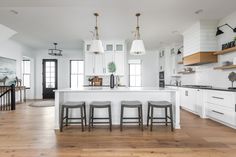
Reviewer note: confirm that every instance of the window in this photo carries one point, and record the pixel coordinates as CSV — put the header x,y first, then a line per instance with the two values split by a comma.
x,y
26,73
135,73
76,73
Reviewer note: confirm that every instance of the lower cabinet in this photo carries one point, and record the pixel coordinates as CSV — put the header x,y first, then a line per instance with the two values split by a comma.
x,y
216,105
221,106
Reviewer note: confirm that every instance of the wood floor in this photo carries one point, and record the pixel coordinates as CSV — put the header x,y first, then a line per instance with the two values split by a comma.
x,y
28,132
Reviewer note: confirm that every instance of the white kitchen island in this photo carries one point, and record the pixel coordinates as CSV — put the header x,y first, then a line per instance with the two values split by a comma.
x,y
116,95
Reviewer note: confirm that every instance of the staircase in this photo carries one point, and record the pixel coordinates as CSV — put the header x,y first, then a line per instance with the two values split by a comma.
x,y
7,98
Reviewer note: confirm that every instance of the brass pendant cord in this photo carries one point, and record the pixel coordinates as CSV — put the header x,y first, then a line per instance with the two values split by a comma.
x,y
96,27
137,28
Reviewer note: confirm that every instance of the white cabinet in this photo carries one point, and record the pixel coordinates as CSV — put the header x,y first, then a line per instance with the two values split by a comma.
x,y
120,63
89,64
221,106
199,107
97,64
188,99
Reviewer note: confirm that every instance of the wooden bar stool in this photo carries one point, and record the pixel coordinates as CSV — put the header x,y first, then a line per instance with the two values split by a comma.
x,y
100,105
131,104
160,104
73,105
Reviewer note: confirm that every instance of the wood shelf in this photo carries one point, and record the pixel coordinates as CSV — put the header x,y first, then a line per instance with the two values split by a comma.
x,y
186,72
225,67
225,51
181,62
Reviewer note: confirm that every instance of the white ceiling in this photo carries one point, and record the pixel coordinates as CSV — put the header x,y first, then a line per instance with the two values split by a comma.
x,y
39,23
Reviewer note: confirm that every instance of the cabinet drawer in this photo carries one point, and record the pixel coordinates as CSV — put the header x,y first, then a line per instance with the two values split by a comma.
x,y
225,99
220,113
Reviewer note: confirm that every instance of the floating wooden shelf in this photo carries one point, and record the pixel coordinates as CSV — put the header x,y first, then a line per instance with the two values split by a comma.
x,y
181,62
225,67
186,72
225,51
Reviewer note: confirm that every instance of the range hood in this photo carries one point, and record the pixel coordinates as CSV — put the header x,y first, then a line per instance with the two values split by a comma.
x,y
200,43
200,58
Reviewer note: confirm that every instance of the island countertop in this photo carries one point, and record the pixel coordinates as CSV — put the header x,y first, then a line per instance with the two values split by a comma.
x,y
116,95
119,89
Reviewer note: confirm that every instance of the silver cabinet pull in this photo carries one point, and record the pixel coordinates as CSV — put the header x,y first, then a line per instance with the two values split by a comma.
x,y
217,97
217,112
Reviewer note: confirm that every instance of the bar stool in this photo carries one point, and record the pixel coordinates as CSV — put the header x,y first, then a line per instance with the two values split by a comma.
x,y
73,105
131,104
100,104
160,104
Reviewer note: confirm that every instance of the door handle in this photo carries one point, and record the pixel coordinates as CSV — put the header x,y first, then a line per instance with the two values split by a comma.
x,y
217,112
217,97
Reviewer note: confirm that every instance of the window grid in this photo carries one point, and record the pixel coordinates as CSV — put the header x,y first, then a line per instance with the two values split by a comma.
x,y
135,75
76,73
26,73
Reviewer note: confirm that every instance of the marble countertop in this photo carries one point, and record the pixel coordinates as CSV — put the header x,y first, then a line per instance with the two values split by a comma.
x,y
119,89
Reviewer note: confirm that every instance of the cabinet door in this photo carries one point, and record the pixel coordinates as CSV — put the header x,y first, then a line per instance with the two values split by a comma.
x,y
119,47
109,47
99,64
199,102
191,100
108,57
89,64
87,46
120,63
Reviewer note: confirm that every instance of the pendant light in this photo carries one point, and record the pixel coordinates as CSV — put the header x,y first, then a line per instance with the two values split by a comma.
x,y
137,47
55,51
96,45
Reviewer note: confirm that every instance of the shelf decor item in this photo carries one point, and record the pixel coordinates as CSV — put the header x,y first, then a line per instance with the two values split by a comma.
x,y
112,69
232,78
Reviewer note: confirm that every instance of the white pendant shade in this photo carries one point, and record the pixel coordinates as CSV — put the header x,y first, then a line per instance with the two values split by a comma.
x,y
137,47
96,47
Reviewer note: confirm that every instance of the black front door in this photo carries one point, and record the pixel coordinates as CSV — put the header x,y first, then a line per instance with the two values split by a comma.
x,y
49,78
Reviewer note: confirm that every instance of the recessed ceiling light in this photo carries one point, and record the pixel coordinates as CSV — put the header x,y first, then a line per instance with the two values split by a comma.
x,y
199,11
14,12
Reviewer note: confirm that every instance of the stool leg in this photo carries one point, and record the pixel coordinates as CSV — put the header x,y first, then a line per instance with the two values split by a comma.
x,y
67,116
62,119
85,118
110,118
121,118
148,114
141,117
151,118
90,117
166,115
171,117
82,118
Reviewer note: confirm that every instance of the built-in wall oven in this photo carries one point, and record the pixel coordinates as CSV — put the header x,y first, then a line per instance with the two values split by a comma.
x,y
162,79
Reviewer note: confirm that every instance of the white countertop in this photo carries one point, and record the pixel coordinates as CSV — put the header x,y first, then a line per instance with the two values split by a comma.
x,y
119,89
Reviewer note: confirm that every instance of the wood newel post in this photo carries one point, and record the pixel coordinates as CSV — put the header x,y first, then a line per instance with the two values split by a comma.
x,y
13,98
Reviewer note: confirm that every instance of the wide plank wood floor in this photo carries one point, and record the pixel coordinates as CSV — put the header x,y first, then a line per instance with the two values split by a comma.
x,y
28,132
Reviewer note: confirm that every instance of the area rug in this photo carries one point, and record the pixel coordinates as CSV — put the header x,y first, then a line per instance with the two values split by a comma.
x,y
43,103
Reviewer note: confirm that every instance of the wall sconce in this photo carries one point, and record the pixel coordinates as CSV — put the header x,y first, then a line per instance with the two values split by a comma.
x,y
219,32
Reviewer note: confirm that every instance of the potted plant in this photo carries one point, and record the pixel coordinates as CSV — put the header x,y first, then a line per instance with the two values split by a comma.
x,y
112,69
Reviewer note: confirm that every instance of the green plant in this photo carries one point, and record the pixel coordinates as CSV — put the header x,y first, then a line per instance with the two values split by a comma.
x,y
235,38
112,67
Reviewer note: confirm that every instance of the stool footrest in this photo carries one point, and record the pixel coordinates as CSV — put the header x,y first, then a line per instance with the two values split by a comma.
x,y
131,118
100,118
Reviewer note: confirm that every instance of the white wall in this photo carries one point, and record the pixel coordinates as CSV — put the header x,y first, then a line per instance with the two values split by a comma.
x,y
63,68
205,74
13,50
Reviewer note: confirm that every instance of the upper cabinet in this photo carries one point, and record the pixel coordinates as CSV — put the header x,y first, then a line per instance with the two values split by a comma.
x,y
97,64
